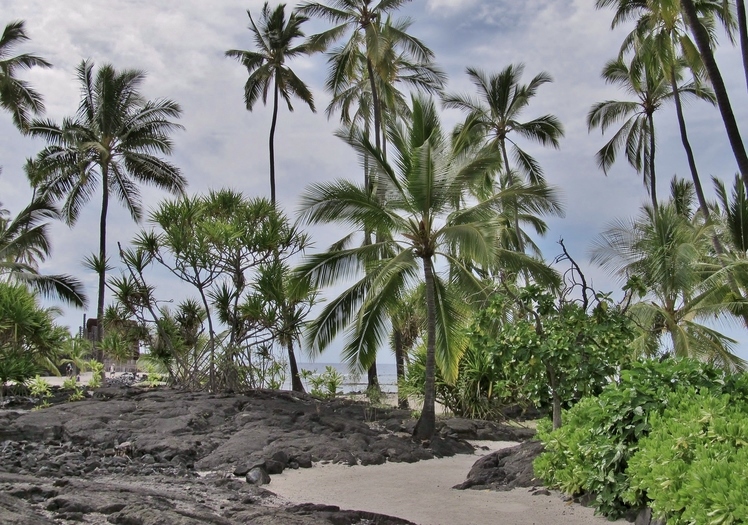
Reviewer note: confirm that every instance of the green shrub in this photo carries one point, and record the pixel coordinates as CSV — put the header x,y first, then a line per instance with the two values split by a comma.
x,y
97,370
70,384
76,395
29,338
40,389
693,465
590,453
326,384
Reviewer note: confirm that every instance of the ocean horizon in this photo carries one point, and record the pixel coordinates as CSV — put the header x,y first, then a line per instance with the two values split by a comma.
x,y
352,382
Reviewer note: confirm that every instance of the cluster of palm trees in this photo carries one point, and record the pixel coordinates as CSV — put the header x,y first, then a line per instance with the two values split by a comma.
x,y
439,217
682,264
437,212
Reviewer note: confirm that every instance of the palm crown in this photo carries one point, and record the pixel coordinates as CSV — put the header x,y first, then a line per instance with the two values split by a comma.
x,y
112,141
16,95
267,67
424,217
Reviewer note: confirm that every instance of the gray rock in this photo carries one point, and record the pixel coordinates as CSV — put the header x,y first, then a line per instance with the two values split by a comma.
x,y
258,476
504,469
274,467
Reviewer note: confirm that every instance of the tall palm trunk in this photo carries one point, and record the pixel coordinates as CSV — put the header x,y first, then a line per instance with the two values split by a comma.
x,y
402,400
102,261
271,144
510,179
426,425
743,31
652,177
375,103
687,145
373,387
296,384
720,91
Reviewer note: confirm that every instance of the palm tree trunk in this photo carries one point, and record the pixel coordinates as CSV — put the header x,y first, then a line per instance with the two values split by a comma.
x,y
426,425
373,390
271,142
102,262
687,146
743,31
296,384
720,91
652,177
510,180
402,400
375,103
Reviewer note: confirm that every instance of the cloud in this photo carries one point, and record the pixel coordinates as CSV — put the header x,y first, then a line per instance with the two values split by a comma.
x,y
224,145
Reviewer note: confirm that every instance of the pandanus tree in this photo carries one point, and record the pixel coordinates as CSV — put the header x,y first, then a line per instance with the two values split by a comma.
x,y
427,220
274,37
16,95
111,143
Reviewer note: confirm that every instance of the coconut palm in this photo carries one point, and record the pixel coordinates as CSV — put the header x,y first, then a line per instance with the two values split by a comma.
x,y
495,115
493,118
661,33
664,252
669,18
645,80
348,79
111,143
703,43
267,67
363,20
424,219
24,244
743,35
16,95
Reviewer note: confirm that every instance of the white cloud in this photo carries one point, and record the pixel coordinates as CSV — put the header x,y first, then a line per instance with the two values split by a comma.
x,y
225,145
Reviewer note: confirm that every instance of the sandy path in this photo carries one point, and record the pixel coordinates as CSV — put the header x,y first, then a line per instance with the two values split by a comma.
x,y
421,492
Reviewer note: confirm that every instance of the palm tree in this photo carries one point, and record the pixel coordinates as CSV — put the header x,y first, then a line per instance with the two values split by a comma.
x,y
495,116
646,81
24,243
16,95
699,16
703,42
661,33
419,222
348,79
267,67
665,252
110,142
363,19
743,35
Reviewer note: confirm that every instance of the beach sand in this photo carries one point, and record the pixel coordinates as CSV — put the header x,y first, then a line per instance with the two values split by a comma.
x,y
421,492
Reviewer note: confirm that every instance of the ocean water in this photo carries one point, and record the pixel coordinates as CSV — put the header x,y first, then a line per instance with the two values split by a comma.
x,y
352,382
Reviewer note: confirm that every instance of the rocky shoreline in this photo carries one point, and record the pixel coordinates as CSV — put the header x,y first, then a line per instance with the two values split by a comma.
x,y
135,456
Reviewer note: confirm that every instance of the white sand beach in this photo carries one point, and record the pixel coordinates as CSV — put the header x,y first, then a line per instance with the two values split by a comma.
x,y
421,492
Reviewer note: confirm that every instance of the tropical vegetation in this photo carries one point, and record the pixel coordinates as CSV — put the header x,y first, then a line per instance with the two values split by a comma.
x,y
436,256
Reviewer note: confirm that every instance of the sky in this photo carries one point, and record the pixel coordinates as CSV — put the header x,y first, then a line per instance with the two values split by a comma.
x,y
181,47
